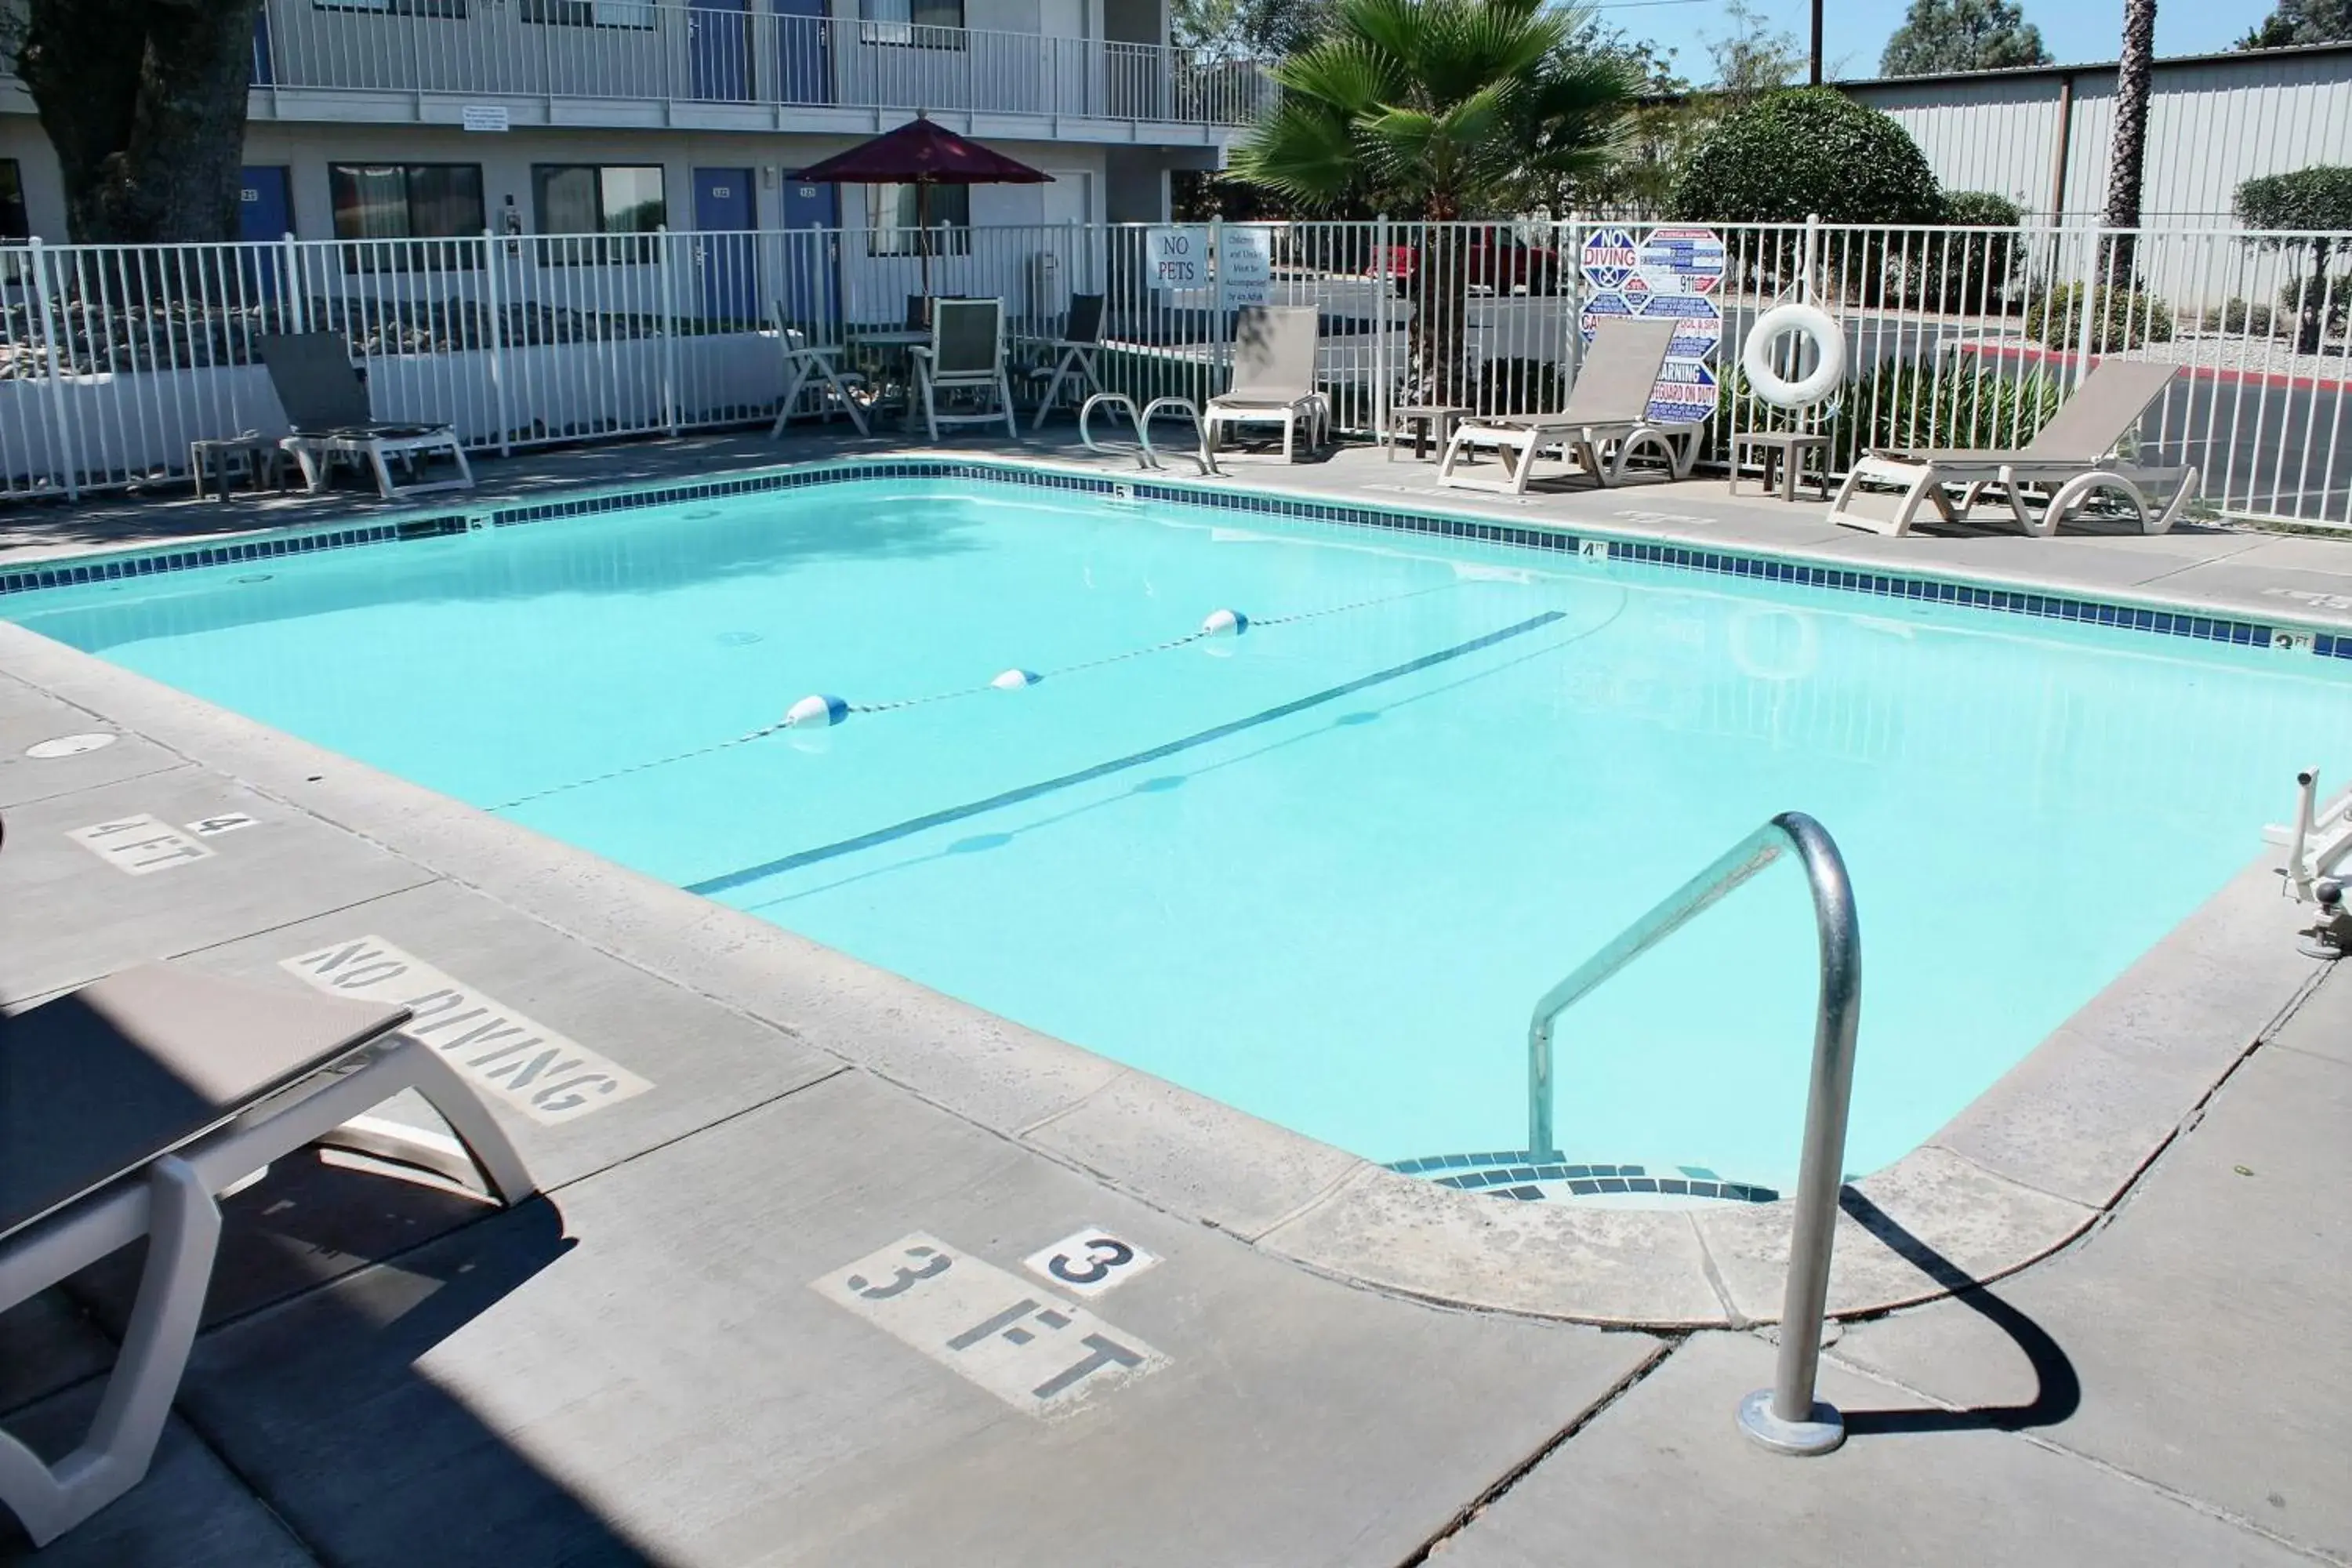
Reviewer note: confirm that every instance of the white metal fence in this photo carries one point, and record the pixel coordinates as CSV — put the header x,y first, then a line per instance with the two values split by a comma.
x,y
112,359
730,54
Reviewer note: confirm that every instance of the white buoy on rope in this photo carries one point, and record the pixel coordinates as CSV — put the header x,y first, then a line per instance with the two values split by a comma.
x,y
1224,623
1015,680
816,713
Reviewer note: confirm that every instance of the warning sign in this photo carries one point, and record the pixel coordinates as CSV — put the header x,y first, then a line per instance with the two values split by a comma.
x,y
1672,272
1610,256
1686,393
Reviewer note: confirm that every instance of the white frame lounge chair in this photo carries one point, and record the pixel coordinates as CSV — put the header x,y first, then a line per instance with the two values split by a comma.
x,y
326,404
1608,403
1073,353
2072,456
126,1107
966,351
816,364
1275,353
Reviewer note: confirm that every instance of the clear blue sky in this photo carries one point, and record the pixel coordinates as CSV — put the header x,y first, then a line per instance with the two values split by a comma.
x,y
1855,31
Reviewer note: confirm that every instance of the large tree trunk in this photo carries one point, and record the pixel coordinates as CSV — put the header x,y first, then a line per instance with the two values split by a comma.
x,y
2128,157
144,101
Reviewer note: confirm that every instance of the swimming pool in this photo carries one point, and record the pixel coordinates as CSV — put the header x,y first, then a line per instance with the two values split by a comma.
x,y
1319,871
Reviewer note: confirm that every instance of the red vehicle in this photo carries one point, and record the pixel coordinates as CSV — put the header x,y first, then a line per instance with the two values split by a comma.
x,y
1491,257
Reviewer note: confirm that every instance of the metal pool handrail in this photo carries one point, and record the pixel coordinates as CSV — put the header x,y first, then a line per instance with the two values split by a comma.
x,y
1785,1417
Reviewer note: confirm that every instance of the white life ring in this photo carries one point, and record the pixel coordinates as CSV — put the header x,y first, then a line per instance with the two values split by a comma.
x,y
1756,356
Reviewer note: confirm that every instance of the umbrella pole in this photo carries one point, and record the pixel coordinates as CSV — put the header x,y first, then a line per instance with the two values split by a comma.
x,y
923,240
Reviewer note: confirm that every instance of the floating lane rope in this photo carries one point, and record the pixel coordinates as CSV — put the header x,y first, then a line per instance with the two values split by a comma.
x,y
820,710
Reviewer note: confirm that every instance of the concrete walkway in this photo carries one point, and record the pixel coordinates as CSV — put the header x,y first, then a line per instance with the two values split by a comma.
x,y
2171,1389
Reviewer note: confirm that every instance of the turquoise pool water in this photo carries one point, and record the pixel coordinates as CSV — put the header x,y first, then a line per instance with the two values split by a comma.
x,y
1319,871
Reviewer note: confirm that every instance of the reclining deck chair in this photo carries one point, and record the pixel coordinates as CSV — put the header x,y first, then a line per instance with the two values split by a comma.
x,y
814,367
966,351
326,403
126,1107
1275,350
2074,453
1608,401
1073,351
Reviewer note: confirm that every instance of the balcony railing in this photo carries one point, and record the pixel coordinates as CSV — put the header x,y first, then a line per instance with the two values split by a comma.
x,y
653,51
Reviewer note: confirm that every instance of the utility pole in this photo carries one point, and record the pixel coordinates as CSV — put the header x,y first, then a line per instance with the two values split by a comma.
x,y
1815,78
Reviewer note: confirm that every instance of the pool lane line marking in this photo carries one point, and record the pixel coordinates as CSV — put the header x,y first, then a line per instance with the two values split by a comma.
x,y
929,820
1038,1354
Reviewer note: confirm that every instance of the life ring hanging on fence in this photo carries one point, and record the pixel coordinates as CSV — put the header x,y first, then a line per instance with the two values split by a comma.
x,y
1756,356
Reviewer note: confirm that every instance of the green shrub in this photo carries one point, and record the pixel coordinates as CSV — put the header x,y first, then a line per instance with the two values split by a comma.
x,y
2242,320
2327,301
2126,319
1522,383
1811,150
1980,272
1961,402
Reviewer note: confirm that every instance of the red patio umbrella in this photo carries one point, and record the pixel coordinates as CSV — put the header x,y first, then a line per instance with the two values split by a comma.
x,y
921,155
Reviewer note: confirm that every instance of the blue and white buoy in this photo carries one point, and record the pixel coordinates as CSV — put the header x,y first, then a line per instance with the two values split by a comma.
x,y
1224,623
816,713
1015,680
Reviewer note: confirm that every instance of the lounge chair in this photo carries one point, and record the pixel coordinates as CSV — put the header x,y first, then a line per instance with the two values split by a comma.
x,y
1073,352
1608,405
2072,456
966,352
1275,350
326,403
126,1107
814,365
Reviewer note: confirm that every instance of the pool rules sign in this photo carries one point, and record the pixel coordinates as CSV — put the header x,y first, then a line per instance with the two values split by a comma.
x,y
1675,273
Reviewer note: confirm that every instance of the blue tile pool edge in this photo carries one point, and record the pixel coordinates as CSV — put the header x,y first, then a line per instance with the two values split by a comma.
x,y
2153,620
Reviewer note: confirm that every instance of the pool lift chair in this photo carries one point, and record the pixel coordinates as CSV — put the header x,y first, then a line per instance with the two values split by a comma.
x,y
2319,847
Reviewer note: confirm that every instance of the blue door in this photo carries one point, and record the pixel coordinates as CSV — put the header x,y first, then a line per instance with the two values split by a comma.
x,y
724,249
719,39
265,212
811,295
804,51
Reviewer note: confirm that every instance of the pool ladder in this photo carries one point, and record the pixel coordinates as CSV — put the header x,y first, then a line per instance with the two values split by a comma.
x,y
1785,1417
1145,454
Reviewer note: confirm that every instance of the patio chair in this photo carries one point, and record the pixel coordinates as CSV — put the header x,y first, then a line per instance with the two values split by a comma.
x,y
1608,404
808,364
1073,352
2074,453
126,1107
326,403
966,353
1275,350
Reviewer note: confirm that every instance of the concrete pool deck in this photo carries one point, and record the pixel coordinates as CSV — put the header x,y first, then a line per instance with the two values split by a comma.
x,y
637,1367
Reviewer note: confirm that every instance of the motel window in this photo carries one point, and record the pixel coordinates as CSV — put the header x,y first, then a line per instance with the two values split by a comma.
x,y
590,13
395,7
923,24
597,199
407,201
892,214
14,224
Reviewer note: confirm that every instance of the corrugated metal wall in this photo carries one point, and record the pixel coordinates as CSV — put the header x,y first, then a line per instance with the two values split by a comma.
x,y
2213,121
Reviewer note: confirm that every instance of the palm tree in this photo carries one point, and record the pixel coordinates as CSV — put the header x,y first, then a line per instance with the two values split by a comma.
x,y
2128,158
1439,108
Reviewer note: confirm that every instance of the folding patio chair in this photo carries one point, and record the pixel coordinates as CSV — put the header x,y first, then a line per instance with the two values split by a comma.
x,y
814,365
1074,353
2074,456
326,403
1608,403
126,1107
966,353
1274,351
